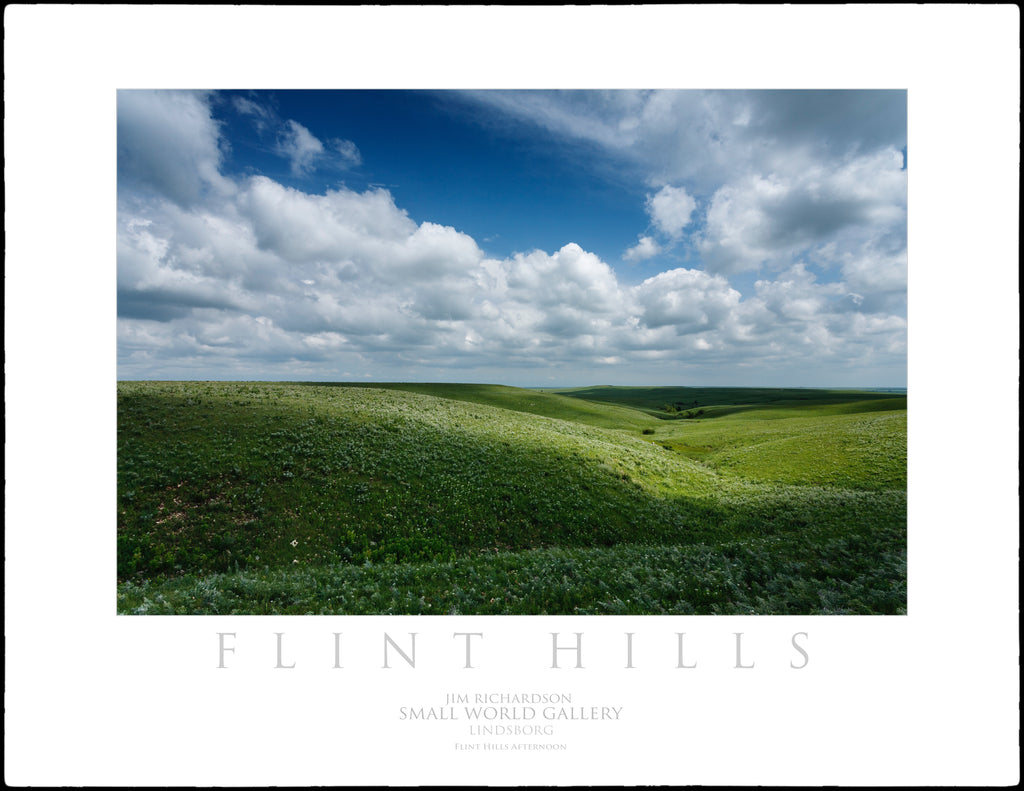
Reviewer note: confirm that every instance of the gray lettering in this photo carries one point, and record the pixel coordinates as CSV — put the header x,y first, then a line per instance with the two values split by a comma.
x,y
286,667
739,648
555,648
681,663
223,648
801,650
405,656
467,635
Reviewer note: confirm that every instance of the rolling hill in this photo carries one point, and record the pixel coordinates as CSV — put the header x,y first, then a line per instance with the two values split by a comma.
x,y
446,498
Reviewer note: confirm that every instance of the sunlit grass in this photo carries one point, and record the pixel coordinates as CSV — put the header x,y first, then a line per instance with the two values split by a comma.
x,y
227,488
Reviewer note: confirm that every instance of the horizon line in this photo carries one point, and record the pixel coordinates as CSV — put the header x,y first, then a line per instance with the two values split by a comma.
x,y
365,382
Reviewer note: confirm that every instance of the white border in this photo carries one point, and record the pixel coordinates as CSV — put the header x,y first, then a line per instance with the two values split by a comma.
x,y
928,699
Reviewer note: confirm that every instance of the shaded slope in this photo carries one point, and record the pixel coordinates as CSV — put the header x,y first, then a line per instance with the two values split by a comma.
x,y
214,475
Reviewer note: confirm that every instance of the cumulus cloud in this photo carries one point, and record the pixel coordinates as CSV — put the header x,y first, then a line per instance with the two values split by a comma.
x,y
687,299
776,173
348,274
273,281
645,248
670,210
340,225
796,296
348,277
873,272
763,220
569,277
168,144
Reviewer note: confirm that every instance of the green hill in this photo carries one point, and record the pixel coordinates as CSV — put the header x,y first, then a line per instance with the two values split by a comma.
x,y
654,400
295,497
534,402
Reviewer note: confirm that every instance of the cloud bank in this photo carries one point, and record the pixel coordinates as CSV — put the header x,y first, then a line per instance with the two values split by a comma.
x,y
244,277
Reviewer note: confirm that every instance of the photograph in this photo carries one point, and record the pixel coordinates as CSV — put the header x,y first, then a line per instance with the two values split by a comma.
x,y
592,352
511,396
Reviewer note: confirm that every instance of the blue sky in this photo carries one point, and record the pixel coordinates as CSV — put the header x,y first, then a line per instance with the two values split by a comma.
x,y
535,238
511,186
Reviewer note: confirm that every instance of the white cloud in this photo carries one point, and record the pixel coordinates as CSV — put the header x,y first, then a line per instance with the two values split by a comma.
x,y
773,220
300,146
273,281
249,107
609,118
570,277
350,155
670,210
433,251
703,138
261,117
306,284
169,144
339,226
872,272
795,296
645,248
295,142
779,173
688,299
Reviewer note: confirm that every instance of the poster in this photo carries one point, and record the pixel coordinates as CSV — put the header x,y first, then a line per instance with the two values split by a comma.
x,y
926,698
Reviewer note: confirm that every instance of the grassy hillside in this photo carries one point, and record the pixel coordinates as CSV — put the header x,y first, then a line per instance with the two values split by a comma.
x,y
534,402
308,498
654,400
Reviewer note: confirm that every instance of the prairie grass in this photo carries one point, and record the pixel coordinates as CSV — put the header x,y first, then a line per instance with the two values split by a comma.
x,y
298,497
